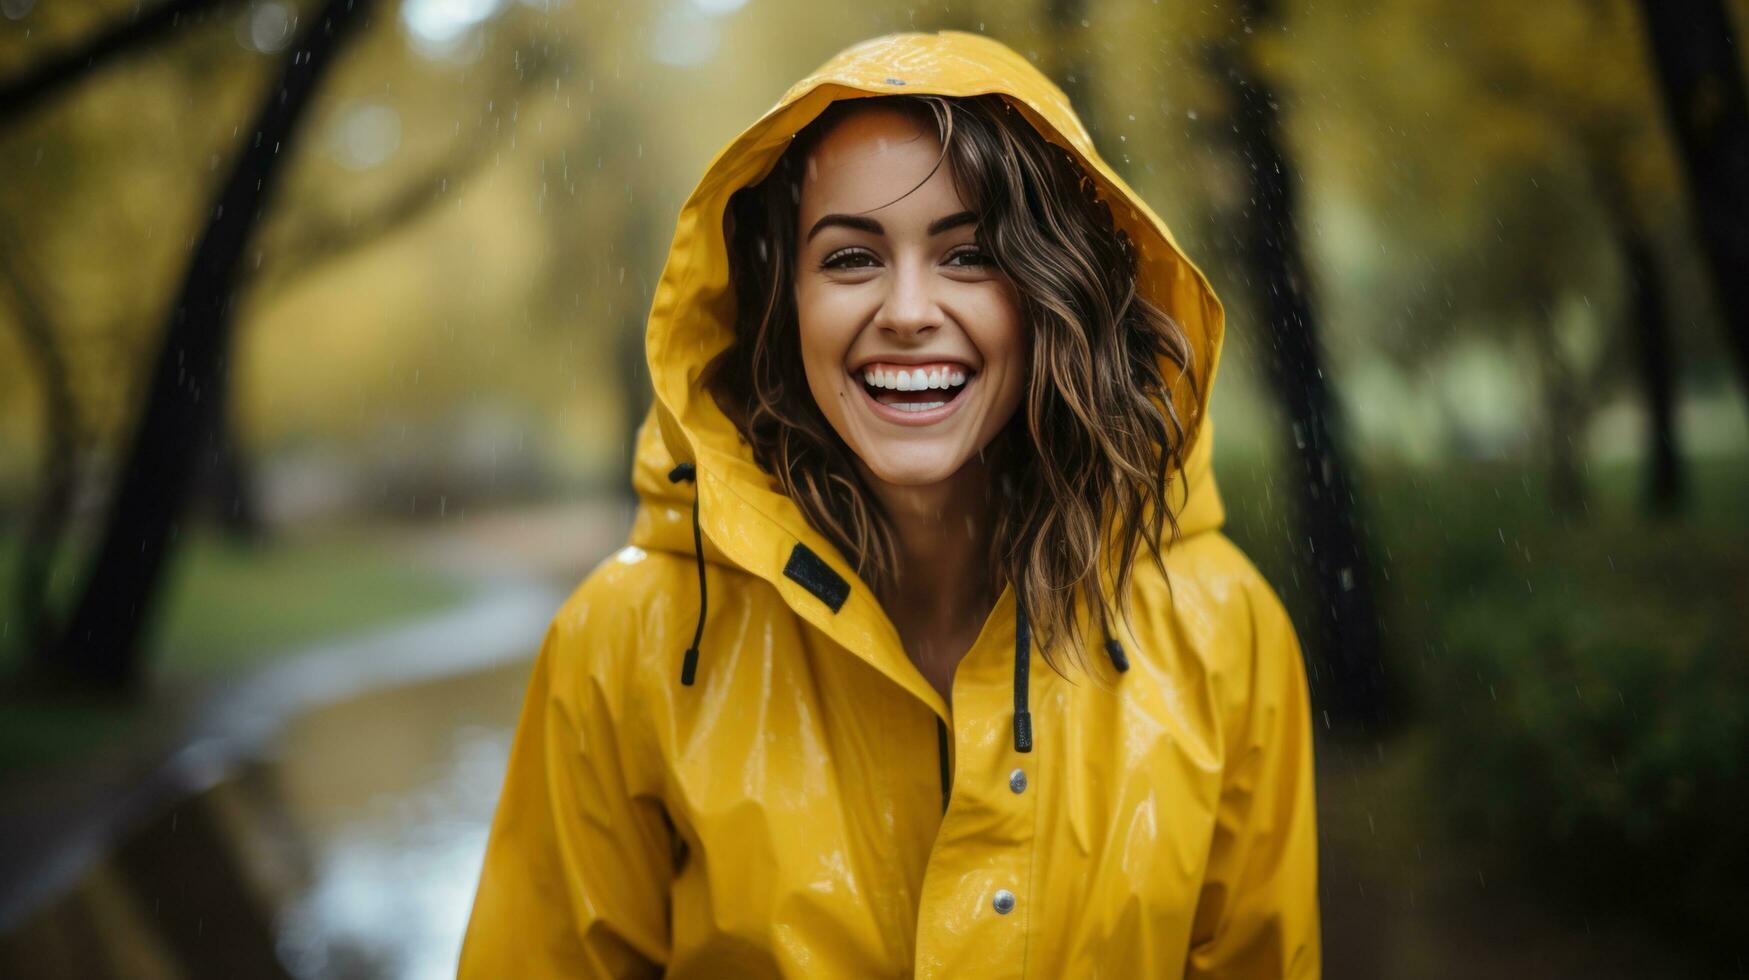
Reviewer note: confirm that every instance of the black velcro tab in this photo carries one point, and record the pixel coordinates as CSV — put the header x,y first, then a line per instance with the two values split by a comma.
x,y
813,574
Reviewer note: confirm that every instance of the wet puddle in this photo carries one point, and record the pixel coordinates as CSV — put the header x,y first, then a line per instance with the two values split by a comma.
x,y
351,848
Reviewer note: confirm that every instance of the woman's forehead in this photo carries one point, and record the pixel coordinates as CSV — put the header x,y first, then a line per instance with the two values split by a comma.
x,y
868,162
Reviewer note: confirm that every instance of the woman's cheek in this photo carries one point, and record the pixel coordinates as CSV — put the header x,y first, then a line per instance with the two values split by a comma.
x,y
823,353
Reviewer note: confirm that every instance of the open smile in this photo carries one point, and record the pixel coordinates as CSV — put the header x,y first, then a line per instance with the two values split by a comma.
x,y
914,394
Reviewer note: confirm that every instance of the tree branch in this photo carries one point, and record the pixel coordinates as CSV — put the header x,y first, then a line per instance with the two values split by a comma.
x,y
39,83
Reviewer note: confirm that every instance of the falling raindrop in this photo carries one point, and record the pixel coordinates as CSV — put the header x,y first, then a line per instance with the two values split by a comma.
x,y
267,27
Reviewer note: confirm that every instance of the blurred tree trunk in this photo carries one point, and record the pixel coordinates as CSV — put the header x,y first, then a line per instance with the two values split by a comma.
x,y
1666,487
47,521
227,481
42,82
1343,644
1695,53
1564,417
1649,345
102,641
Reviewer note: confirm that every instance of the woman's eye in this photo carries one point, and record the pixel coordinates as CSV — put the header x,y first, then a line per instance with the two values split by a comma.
x,y
972,258
848,258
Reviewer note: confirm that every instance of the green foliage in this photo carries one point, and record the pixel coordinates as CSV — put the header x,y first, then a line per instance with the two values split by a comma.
x,y
1589,718
1580,686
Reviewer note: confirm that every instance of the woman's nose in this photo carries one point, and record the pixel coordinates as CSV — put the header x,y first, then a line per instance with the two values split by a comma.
x,y
909,307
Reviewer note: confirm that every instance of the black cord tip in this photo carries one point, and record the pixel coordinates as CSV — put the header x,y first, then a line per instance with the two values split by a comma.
x,y
1119,659
1023,731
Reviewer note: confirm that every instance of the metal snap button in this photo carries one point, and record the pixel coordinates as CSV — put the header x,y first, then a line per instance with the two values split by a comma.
x,y
1004,902
1017,780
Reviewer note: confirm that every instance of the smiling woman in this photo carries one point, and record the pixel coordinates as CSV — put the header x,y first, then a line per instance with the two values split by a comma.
x,y
929,380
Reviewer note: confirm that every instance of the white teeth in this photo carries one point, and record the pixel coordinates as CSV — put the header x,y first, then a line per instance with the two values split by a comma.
x,y
917,380
917,406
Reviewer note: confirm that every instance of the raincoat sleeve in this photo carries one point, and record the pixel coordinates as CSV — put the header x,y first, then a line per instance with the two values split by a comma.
x,y
577,869
1258,912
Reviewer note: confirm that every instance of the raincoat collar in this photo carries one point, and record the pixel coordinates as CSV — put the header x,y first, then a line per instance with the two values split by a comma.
x,y
743,520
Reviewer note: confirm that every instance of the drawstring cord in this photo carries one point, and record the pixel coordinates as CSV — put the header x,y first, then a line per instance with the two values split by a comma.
x,y
1022,667
689,666
1114,650
1022,658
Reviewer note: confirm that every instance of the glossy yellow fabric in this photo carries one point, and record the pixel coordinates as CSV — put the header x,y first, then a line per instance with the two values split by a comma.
x,y
784,815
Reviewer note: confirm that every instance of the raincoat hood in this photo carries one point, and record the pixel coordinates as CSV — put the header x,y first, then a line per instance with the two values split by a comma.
x,y
727,766
744,520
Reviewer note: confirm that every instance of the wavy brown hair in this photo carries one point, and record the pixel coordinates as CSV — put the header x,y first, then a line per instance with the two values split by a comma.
x,y
1098,436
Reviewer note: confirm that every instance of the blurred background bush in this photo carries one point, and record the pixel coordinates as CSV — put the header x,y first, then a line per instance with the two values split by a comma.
x,y
321,347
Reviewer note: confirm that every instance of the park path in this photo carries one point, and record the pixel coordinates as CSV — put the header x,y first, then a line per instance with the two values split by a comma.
x,y
518,566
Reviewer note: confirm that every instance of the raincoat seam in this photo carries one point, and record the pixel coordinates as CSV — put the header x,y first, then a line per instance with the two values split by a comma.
x,y
729,487
1035,894
1254,677
945,758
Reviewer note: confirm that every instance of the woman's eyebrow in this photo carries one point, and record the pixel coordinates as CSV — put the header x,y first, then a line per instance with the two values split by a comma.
x,y
873,227
952,221
869,225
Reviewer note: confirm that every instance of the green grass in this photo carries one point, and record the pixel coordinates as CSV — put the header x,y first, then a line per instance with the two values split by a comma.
x,y
229,606
226,607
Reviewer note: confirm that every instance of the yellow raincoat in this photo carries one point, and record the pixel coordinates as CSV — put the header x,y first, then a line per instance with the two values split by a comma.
x,y
802,802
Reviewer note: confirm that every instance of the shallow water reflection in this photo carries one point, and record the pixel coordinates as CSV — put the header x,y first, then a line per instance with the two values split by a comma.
x,y
349,847
389,797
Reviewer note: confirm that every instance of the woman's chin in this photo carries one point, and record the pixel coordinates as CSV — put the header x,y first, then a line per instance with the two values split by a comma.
x,y
912,466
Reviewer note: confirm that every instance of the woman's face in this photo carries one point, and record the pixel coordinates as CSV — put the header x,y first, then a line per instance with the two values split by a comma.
x,y
911,338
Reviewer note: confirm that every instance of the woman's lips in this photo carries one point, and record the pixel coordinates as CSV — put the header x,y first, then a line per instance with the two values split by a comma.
x,y
899,416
